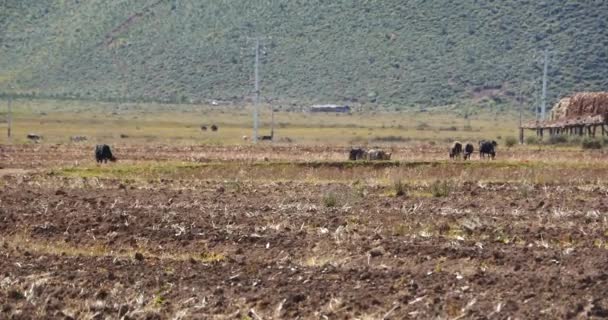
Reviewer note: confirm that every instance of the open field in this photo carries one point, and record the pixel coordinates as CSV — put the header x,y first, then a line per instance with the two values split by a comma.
x,y
285,232
148,123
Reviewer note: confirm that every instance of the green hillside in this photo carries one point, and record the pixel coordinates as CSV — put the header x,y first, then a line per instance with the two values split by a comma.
x,y
390,52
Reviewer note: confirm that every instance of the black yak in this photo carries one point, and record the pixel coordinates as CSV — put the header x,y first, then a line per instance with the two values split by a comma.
x,y
468,150
103,153
357,154
455,150
487,148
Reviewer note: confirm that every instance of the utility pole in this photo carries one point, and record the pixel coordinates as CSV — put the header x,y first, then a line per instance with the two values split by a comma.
x,y
257,92
536,100
9,118
544,98
520,100
272,123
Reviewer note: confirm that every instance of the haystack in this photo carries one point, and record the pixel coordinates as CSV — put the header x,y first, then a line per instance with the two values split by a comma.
x,y
559,109
583,104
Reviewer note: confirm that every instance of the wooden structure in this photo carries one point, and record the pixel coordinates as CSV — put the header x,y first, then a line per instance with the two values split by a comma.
x,y
578,126
579,114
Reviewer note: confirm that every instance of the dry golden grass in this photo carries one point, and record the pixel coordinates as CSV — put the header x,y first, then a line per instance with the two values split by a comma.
x,y
23,241
180,124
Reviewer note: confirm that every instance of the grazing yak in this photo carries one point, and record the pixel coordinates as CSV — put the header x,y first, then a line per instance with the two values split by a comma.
x,y
34,137
455,150
268,137
357,154
377,154
214,128
487,148
103,153
370,155
468,150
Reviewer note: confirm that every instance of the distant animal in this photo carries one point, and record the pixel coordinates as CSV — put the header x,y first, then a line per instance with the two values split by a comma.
x,y
103,153
268,137
124,136
468,150
455,150
204,128
78,138
487,148
377,154
357,154
34,137
214,128
245,138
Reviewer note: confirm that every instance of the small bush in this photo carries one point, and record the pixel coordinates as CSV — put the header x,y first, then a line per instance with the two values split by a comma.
x,y
510,141
391,139
452,128
15,295
590,143
330,200
422,126
399,187
531,140
441,188
558,139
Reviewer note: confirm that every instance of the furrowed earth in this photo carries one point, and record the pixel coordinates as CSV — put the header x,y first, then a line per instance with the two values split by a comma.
x,y
284,232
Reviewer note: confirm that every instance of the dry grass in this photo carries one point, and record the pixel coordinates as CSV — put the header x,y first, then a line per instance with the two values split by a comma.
x,y
180,124
385,173
23,241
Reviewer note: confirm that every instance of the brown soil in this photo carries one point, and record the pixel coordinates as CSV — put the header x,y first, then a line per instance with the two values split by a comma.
x,y
287,250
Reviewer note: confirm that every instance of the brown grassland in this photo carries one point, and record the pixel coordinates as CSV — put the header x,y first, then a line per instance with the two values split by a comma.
x,y
205,225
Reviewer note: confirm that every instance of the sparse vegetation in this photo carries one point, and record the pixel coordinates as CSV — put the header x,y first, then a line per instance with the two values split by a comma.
x,y
121,50
164,221
591,143
558,139
441,188
330,200
510,141
399,187
531,140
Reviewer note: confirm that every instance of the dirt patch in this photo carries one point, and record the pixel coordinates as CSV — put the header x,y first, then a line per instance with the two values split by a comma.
x,y
204,245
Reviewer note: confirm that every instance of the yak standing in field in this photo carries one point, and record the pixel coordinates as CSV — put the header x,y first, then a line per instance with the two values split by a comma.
x,y
377,154
487,148
369,155
34,137
468,150
455,150
103,153
357,154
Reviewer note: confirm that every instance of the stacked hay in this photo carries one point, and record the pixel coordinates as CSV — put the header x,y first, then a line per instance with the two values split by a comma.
x,y
583,104
560,108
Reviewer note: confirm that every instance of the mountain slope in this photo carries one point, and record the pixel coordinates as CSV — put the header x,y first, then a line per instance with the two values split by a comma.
x,y
388,52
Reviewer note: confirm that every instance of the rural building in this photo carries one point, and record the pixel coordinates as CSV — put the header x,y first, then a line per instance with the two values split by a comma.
x,y
330,108
581,114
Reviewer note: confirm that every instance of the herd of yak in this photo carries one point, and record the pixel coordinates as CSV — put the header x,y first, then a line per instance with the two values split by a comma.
x,y
486,148
457,150
103,153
